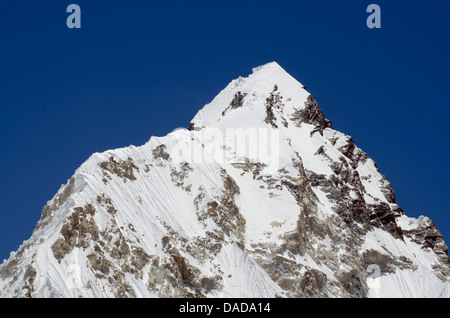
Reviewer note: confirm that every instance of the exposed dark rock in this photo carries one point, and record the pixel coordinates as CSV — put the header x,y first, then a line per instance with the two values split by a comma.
x,y
78,231
311,114
106,202
223,211
236,102
58,201
388,190
122,168
354,283
184,270
429,237
383,217
178,176
349,150
386,264
274,101
320,151
159,152
249,166
313,283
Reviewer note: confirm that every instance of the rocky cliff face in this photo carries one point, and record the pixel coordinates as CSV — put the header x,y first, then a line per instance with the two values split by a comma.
x,y
259,197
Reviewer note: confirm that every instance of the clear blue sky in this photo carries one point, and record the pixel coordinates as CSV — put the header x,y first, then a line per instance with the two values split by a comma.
x,y
142,68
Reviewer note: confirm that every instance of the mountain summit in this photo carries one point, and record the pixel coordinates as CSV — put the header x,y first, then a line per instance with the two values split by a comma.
x,y
258,197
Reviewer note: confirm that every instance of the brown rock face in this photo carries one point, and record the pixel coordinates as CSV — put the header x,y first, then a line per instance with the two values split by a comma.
x,y
311,114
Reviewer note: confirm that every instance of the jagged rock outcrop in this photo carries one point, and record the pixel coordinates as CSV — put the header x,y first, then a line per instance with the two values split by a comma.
x,y
311,114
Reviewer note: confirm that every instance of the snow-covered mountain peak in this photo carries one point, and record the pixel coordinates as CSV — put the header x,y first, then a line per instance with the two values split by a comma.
x,y
250,95
259,197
